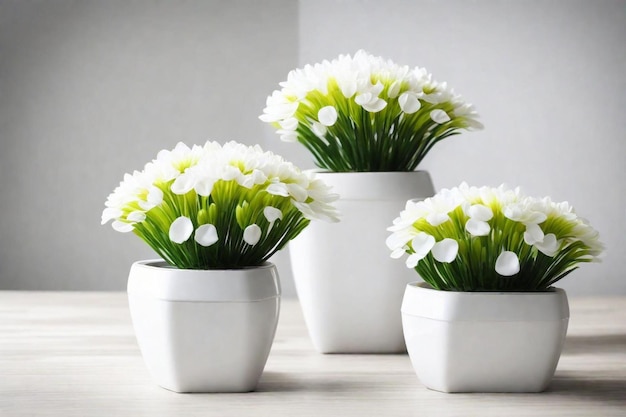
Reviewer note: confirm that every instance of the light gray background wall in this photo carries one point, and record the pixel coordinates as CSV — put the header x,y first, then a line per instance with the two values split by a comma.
x,y
90,90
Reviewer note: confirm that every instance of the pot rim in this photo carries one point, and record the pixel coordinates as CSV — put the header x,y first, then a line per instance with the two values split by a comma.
x,y
161,263
203,285
393,186
421,301
428,287
325,171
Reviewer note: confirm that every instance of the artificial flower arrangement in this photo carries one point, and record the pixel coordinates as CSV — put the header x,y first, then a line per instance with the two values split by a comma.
x,y
218,207
492,239
365,113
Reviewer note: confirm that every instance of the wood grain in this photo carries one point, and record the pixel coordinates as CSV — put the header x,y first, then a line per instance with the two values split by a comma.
x,y
74,354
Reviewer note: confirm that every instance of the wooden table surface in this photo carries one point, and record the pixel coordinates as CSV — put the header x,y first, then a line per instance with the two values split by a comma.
x,y
74,354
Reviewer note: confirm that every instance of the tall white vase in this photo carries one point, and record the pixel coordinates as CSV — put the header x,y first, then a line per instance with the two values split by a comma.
x,y
204,330
349,288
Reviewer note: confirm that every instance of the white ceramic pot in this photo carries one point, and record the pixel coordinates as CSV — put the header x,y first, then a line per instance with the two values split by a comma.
x,y
204,330
349,288
484,341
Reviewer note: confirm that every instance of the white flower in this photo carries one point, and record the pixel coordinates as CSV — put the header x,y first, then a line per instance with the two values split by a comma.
x,y
319,129
288,135
589,236
445,250
136,216
397,253
278,107
439,116
180,229
507,264
110,213
272,214
122,227
252,234
409,102
434,209
368,96
477,227
206,235
477,224
184,183
327,115
154,198
524,212
549,245
394,90
533,234
422,243
480,212
289,124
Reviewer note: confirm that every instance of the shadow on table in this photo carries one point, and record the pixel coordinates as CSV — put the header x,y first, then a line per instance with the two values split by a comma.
x,y
313,383
576,387
610,343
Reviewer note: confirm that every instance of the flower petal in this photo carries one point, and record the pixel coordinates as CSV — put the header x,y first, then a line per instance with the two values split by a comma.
x,y
412,260
549,246
297,192
136,216
155,196
327,115
363,98
206,235
400,238
439,116
278,188
533,234
422,243
180,229
183,184
397,253
290,123
122,227
252,234
289,137
110,213
272,214
480,212
204,187
477,227
435,219
507,264
409,103
319,129
394,89
445,250
375,106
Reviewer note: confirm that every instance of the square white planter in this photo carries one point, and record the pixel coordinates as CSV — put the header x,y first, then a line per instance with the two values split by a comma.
x,y
204,330
484,341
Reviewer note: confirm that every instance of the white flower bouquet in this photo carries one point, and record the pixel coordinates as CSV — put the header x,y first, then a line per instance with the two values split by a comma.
x,y
492,239
364,113
218,207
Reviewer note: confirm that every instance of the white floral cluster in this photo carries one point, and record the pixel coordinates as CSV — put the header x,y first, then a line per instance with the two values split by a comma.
x,y
479,206
370,82
199,168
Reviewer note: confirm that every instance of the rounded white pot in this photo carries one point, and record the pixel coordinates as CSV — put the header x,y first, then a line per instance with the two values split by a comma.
x,y
349,288
484,341
204,330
